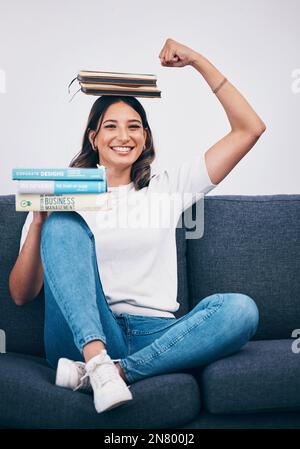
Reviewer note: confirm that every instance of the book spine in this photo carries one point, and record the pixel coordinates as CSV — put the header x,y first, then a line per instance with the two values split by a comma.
x,y
63,203
61,187
124,93
125,81
59,173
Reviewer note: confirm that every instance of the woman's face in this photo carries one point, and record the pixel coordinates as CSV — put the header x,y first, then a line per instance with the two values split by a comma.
x,y
121,127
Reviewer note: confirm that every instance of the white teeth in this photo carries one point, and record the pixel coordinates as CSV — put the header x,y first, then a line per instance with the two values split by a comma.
x,y
122,149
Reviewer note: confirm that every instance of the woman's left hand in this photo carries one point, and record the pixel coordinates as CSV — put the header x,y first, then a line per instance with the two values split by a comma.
x,y
174,54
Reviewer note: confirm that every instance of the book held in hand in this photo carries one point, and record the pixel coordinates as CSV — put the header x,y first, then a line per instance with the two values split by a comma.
x,y
56,187
70,173
63,203
61,189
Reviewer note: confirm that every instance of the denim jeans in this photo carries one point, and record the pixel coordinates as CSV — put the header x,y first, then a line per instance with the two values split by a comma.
x,y
76,312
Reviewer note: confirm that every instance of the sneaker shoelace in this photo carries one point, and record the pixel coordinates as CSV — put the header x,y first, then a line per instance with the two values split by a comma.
x,y
84,380
102,376
109,375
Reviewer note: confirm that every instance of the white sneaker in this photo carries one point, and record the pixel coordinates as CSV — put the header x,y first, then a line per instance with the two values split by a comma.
x,y
109,388
70,374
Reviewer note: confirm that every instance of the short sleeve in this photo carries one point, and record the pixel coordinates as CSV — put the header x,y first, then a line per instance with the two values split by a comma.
x,y
190,179
25,229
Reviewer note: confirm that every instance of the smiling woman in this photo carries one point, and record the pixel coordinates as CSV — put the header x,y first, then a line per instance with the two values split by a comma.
x,y
119,137
110,284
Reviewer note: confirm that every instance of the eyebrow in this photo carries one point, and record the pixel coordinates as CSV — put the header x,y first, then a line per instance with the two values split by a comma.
x,y
132,120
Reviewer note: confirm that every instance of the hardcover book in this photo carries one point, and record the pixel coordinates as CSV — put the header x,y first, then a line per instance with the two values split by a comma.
x,y
60,173
63,203
117,83
138,79
114,89
56,187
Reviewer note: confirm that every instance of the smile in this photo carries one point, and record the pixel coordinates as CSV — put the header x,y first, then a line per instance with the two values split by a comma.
x,y
122,150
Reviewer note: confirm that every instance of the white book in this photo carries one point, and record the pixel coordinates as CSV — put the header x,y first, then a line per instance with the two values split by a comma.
x,y
64,202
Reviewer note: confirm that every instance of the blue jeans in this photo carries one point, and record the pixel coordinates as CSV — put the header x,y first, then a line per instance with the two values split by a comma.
x,y
76,312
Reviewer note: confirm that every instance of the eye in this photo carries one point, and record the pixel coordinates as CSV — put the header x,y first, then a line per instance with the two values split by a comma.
x,y
131,126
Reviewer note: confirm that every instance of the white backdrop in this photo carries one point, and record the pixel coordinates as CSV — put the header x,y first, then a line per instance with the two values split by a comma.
x,y
254,43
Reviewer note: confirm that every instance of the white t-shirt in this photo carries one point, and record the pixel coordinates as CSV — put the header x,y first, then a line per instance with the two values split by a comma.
x,y
136,240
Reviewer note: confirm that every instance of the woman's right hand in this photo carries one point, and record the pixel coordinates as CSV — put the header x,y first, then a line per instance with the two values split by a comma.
x,y
40,217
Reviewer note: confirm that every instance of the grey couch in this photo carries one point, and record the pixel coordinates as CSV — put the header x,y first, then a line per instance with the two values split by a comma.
x,y
251,245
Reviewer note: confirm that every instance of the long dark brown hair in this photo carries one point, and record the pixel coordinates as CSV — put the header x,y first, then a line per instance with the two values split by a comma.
x,y
87,157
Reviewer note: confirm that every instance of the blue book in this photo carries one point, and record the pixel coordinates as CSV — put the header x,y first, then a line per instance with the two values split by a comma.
x,y
73,173
55,187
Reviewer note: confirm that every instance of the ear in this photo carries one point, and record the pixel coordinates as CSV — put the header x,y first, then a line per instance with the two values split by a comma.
x,y
91,137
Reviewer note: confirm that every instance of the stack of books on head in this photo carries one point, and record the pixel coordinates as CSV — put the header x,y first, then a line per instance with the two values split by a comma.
x,y
61,189
114,83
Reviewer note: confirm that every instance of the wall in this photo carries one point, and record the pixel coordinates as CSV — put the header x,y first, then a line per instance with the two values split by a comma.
x,y
255,43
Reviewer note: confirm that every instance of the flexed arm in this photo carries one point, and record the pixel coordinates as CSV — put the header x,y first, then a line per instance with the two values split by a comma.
x,y
246,125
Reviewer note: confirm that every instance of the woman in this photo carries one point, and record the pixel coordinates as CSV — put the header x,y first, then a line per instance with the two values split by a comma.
x,y
110,293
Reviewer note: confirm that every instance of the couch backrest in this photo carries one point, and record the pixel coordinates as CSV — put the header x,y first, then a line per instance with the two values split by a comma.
x,y
24,326
251,245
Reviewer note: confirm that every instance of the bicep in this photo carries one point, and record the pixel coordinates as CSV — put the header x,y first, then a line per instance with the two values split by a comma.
x,y
224,155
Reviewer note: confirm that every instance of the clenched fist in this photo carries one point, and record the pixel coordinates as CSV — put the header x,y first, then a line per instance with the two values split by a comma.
x,y
174,54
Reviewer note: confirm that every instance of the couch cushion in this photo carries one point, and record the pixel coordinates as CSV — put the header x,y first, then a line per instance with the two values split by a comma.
x,y
263,376
23,325
28,382
251,245
275,420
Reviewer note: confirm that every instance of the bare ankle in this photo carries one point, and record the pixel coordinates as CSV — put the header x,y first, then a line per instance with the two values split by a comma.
x,y
121,372
92,349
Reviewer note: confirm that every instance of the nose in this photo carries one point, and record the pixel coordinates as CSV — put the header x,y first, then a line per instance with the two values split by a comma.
x,y
123,135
